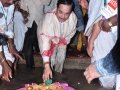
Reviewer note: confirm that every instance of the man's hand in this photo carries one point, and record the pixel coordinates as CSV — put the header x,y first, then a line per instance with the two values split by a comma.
x,y
91,73
6,72
14,52
47,74
6,69
103,24
108,23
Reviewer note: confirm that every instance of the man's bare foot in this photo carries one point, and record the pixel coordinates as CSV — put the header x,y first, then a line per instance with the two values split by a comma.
x,y
91,73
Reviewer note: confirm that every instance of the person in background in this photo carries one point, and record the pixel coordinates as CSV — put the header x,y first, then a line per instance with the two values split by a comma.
x,y
108,67
36,10
7,48
78,9
57,30
101,43
20,19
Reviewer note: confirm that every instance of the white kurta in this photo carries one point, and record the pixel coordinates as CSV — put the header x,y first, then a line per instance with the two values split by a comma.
x,y
6,27
51,34
93,14
6,21
19,30
105,40
36,9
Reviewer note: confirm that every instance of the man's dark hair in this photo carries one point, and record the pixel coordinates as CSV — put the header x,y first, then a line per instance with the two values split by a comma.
x,y
65,2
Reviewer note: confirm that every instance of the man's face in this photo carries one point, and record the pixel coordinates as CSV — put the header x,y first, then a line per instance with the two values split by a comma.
x,y
63,12
7,2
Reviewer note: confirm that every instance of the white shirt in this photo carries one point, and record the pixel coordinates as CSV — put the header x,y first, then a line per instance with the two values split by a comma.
x,y
53,30
19,30
35,9
93,14
6,20
105,40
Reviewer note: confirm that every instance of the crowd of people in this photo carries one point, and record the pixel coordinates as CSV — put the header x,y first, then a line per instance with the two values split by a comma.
x,y
47,27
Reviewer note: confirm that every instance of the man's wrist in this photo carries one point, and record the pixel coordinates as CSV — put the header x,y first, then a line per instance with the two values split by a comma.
x,y
110,23
46,65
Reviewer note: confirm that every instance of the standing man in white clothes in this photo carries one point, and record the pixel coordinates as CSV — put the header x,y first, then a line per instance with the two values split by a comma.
x,y
36,10
7,49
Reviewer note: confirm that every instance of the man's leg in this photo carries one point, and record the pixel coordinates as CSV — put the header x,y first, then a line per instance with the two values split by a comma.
x,y
8,56
53,57
6,68
35,40
60,58
28,46
59,61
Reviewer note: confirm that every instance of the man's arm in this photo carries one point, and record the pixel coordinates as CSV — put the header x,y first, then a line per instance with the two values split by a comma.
x,y
45,44
73,28
94,34
108,23
6,70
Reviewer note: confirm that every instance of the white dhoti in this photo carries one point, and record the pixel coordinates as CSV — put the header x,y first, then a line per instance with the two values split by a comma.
x,y
8,56
58,57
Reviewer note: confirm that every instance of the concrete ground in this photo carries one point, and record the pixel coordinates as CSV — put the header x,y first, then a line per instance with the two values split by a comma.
x,y
75,79
73,69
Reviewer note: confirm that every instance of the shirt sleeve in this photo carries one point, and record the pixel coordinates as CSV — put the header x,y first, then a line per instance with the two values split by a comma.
x,y
73,28
45,40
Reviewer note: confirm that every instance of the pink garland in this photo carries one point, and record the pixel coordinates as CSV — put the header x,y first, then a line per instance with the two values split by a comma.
x,y
64,85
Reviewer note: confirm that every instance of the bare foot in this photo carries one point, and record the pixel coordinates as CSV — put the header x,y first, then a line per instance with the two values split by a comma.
x,y
91,73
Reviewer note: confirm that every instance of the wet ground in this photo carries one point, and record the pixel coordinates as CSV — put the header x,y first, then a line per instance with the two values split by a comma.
x,y
75,79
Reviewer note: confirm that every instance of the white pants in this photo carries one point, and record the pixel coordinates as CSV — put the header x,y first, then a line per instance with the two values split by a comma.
x,y
7,54
58,57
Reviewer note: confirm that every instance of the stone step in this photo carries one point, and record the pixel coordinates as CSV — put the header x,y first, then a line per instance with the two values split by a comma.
x,y
70,63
